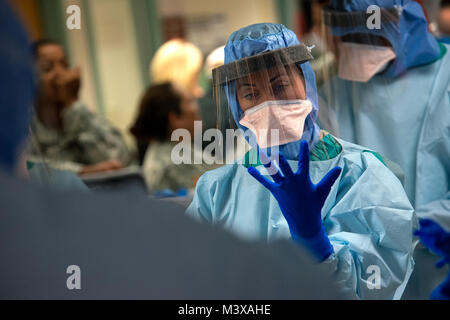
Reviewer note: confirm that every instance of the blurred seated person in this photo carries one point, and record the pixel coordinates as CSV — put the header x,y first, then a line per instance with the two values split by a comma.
x,y
180,62
164,108
66,135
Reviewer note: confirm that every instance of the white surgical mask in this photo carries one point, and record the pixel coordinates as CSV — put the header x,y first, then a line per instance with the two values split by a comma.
x,y
277,122
360,62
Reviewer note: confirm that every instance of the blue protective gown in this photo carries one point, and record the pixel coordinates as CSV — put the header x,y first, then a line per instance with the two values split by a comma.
x,y
367,216
403,113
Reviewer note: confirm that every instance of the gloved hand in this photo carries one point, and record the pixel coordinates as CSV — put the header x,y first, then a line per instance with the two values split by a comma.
x,y
433,236
301,201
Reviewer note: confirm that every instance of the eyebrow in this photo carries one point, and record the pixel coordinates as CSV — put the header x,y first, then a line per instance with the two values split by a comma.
x,y
247,85
253,85
275,78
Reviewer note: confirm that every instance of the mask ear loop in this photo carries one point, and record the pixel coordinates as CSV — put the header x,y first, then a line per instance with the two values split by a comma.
x,y
309,124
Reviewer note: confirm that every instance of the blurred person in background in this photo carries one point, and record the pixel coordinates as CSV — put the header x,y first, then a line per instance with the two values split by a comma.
x,y
164,108
211,116
181,62
65,134
444,22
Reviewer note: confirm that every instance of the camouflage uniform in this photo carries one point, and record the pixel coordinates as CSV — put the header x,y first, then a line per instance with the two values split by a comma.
x,y
161,173
86,139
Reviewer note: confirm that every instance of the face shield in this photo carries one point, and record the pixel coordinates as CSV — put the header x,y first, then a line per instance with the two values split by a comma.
x,y
374,43
270,98
377,35
359,56
360,42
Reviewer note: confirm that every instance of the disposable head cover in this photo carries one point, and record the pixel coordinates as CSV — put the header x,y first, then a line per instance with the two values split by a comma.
x,y
16,87
400,24
267,67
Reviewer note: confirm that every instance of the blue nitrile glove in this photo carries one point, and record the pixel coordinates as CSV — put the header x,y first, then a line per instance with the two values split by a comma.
x,y
435,238
301,201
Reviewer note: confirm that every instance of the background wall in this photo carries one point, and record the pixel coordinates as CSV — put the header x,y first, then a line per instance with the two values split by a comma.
x,y
118,62
238,13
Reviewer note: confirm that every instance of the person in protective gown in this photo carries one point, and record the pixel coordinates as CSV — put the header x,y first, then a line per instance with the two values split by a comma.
x,y
392,95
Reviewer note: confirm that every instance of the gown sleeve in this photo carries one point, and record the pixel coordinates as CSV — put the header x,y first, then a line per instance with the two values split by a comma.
x,y
370,225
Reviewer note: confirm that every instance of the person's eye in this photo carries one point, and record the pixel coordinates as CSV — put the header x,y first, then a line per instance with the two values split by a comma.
x,y
251,96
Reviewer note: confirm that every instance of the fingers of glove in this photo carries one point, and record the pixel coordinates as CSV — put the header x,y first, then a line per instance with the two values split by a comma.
x,y
284,166
441,263
272,169
257,175
419,233
432,228
265,160
426,223
274,172
324,186
427,238
303,158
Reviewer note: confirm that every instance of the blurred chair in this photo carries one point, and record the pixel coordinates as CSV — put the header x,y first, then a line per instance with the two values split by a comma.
x,y
127,179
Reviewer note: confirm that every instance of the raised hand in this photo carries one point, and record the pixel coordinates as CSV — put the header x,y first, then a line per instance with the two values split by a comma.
x,y
68,86
300,200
